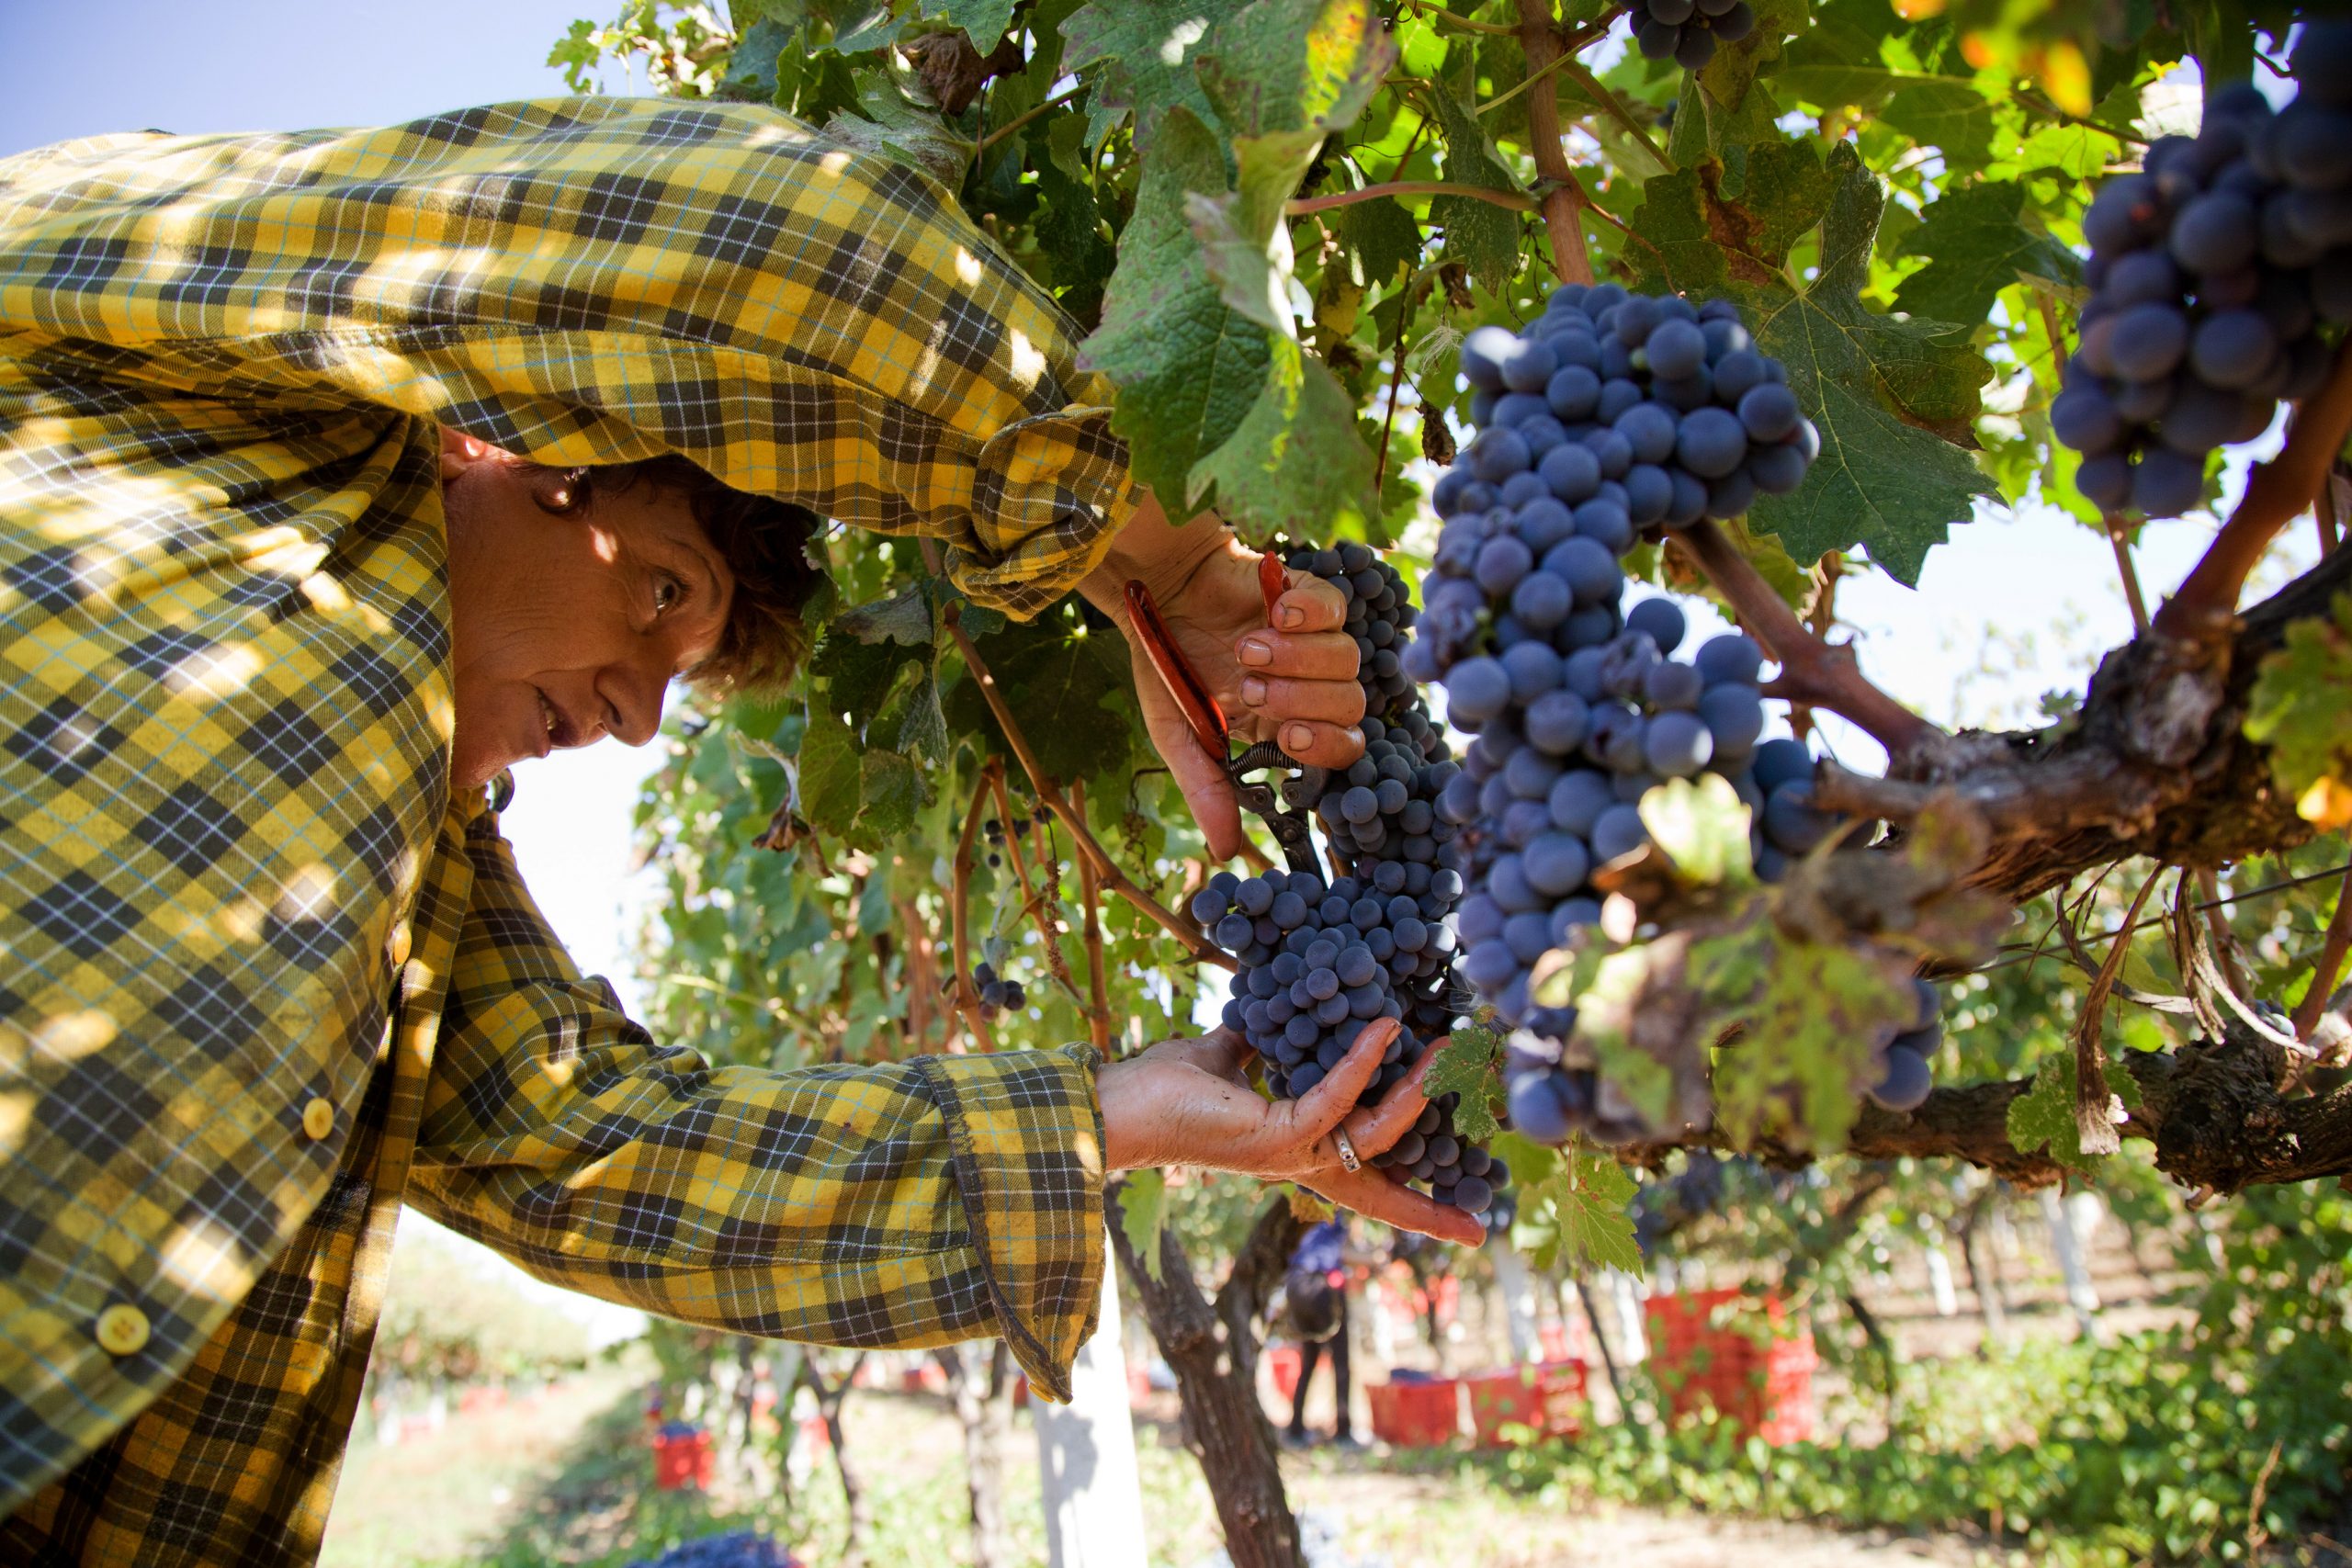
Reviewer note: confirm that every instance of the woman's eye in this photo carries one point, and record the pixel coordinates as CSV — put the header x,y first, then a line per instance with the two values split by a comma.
x,y
667,592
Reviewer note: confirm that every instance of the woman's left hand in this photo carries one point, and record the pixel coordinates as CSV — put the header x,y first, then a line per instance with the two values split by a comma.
x,y
1293,682
1187,1102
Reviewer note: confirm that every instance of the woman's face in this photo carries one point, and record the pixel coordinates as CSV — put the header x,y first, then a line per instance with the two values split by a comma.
x,y
566,629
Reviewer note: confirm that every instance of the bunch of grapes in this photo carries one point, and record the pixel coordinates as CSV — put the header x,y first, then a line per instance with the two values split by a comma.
x,y
1380,617
1321,960
1611,413
2214,271
1688,30
996,992
994,829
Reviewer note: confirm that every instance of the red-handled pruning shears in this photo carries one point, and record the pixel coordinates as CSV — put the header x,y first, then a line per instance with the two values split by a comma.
x,y
1207,720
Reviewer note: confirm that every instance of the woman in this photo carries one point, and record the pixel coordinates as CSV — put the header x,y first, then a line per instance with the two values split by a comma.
x,y
337,472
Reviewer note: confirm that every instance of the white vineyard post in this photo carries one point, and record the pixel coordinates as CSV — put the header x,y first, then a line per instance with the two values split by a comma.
x,y
1518,1288
2080,1293
1940,1280
1086,1456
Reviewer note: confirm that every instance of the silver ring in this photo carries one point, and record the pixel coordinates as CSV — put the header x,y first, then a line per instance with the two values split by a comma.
x,y
1347,1150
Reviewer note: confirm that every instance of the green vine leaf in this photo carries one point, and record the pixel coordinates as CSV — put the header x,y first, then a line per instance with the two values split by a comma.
x,y
2043,1117
1976,242
832,776
1870,383
1057,682
1482,237
1297,465
1144,49
1468,1064
983,21
1188,366
1143,1211
1574,1207
2299,699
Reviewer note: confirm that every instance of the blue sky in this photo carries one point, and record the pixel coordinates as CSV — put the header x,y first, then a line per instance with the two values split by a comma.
x,y
200,66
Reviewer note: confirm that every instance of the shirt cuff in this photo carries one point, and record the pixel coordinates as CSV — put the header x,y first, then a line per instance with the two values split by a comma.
x,y
1051,493
1025,1135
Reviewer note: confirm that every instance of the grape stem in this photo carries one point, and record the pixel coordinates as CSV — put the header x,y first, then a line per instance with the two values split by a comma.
x,y
1036,901
967,995
2330,959
1814,672
1299,207
2276,493
1614,106
1540,40
1042,784
1090,892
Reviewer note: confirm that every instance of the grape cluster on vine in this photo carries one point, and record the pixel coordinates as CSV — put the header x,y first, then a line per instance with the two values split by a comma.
x,y
1609,413
1320,960
1687,32
1380,617
2215,272
997,993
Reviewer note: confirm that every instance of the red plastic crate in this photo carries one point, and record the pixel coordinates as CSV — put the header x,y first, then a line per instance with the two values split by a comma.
x,y
681,1462
1415,1415
1548,1398
1734,1352
1281,1366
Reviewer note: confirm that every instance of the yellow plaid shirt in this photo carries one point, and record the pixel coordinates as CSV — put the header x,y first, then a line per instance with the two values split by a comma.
x,y
262,980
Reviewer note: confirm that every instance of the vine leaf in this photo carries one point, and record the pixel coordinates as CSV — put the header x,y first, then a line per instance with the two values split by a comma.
x,y
983,21
1817,1018
1976,243
1855,56
1298,465
2044,1114
1466,1065
1870,383
1145,50
1383,235
885,123
892,788
1143,1211
1574,1207
2297,708
923,732
831,776
1055,681
1481,236
1187,366
904,618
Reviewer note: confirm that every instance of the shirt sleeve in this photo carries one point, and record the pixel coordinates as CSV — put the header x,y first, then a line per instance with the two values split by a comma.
x,y
907,1204
597,280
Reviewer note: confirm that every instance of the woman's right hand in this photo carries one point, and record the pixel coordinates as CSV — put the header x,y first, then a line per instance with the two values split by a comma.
x,y
1187,1102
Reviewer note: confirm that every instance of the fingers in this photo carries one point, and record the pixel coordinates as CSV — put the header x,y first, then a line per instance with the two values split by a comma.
x,y
1309,604
1374,1130
1312,656
1375,1196
1206,789
1220,1051
1322,1107
1278,697
1321,745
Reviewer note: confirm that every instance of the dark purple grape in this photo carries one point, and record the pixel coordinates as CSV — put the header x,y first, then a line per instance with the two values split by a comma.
x,y
1710,442
1904,1081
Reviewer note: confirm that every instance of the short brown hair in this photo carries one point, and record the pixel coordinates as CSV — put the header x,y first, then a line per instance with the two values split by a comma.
x,y
764,542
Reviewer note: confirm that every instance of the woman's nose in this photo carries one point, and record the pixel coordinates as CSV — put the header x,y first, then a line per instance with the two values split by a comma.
x,y
635,696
